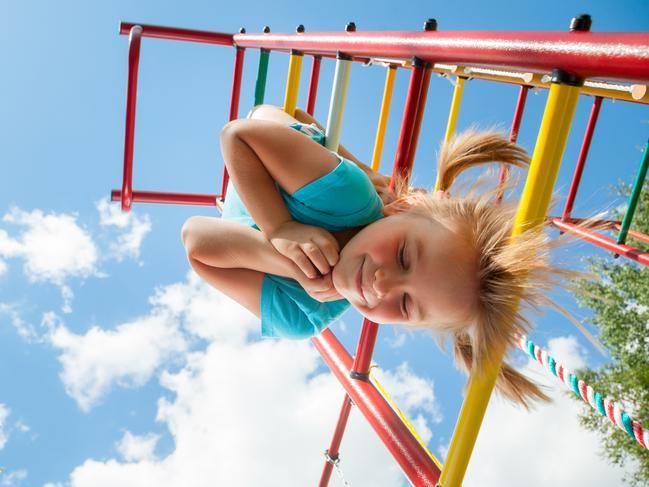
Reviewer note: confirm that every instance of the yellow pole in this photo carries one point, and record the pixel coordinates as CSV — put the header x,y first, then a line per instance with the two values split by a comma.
x,y
550,144
293,82
452,116
455,108
383,117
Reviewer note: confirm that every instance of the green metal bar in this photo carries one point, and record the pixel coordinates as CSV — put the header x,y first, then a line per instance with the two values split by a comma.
x,y
262,71
635,196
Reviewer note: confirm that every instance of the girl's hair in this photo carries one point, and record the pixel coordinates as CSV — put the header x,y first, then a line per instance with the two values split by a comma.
x,y
509,268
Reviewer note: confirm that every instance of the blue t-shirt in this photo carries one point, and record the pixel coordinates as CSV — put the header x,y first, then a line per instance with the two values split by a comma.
x,y
342,199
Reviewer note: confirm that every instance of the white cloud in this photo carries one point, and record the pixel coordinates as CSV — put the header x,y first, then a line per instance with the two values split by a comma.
x,y
414,395
544,447
126,356
22,427
134,228
252,413
54,247
13,479
4,414
134,448
3,267
24,329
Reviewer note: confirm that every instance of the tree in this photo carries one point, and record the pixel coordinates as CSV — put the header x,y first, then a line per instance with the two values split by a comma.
x,y
620,305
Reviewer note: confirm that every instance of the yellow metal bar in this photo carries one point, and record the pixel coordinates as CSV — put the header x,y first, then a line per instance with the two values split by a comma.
x,y
452,117
383,117
293,83
550,144
610,90
455,108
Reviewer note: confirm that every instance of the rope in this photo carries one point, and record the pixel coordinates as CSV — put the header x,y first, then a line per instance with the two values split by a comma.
x,y
605,407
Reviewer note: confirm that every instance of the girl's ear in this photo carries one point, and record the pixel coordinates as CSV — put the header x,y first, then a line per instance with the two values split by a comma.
x,y
397,206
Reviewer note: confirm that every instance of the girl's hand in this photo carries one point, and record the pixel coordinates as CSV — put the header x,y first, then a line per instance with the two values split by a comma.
x,y
320,289
382,185
312,249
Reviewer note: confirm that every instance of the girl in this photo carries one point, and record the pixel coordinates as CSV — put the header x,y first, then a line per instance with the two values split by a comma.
x,y
306,232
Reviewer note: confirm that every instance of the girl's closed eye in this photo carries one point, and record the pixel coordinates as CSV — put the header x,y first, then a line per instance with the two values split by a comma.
x,y
403,265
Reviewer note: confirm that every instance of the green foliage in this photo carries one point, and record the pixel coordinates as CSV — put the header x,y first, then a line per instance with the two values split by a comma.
x,y
620,305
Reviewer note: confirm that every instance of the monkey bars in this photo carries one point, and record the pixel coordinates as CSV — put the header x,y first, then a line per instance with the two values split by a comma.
x,y
559,61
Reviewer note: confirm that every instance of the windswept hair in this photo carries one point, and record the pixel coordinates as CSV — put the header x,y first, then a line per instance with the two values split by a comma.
x,y
510,269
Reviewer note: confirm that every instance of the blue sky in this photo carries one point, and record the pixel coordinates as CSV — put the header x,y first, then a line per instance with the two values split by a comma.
x,y
120,368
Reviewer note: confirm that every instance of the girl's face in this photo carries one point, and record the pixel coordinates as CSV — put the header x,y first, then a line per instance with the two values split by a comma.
x,y
406,269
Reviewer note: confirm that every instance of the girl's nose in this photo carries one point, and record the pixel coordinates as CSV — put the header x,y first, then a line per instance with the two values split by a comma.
x,y
384,282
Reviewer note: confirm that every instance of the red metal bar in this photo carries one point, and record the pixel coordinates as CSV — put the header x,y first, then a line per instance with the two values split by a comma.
x,y
611,55
604,242
134,41
177,34
420,115
313,84
404,447
234,106
513,136
402,158
365,347
170,198
581,161
333,450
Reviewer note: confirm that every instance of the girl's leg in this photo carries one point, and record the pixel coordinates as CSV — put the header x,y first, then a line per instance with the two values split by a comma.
x,y
272,113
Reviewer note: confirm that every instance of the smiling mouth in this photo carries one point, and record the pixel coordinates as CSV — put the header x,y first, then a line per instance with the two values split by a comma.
x,y
359,282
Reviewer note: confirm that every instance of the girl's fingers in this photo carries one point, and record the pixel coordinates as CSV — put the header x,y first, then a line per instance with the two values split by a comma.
x,y
304,263
318,259
329,247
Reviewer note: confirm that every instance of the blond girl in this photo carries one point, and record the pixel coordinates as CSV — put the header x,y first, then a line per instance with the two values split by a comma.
x,y
307,232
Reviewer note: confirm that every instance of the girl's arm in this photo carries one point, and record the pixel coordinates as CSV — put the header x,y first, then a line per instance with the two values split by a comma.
x,y
234,257
260,153
380,182
304,117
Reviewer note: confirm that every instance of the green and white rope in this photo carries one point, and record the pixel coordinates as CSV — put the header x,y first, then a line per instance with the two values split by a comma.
x,y
604,406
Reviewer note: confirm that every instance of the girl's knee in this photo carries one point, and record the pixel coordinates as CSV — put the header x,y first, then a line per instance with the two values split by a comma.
x,y
188,230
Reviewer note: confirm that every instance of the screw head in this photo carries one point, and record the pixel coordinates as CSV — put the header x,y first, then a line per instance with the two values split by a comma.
x,y
266,29
350,27
299,28
430,24
581,23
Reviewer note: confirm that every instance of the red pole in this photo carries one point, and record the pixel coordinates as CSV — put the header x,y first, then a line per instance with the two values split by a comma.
x,y
609,55
134,40
581,161
164,197
413,459
425,84
177,34
513,136
234,106
332,452
313,85
402,158
604,242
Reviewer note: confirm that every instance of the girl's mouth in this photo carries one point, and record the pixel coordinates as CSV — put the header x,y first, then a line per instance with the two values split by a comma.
x,y
359,282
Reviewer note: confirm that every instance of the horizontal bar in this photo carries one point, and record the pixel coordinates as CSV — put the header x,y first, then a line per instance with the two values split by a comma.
x,y
622,56
404,447
631,93
202,36
178,34
171,198
604,242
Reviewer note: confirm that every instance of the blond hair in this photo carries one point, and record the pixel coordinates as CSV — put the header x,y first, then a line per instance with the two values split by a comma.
x,y
509,268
